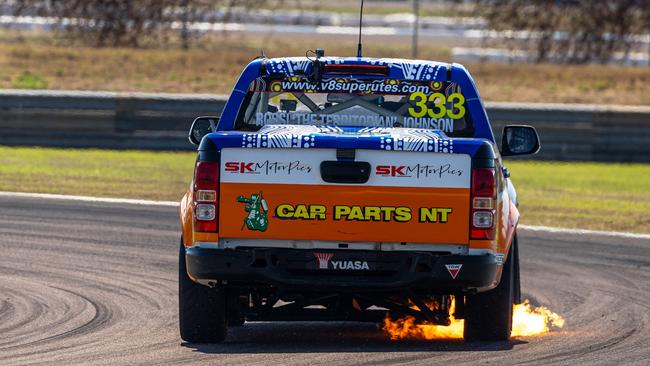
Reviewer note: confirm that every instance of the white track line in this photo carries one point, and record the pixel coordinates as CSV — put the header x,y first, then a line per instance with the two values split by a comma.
x,y
175,204
560,230
88,199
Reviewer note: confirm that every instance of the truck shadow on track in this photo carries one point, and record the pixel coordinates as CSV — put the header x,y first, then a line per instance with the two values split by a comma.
x,y
314,337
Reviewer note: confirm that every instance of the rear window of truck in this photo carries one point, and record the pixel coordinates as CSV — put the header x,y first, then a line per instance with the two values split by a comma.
x,y
351,102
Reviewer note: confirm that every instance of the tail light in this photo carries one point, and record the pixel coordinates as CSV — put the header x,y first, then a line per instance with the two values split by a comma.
x,y
206,196
484,196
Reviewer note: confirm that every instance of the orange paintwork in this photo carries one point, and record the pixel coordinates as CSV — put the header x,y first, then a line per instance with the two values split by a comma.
x,y
187,219
232,213
206,237
513,220
507,218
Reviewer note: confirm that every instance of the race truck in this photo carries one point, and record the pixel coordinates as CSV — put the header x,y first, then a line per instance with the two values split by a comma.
x,y
350,189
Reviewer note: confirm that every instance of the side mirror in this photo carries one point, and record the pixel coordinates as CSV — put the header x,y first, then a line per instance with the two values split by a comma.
x,y
201,127
519,140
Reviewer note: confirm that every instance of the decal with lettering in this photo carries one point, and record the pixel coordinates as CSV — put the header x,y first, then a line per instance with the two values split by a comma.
x,y
353,86
362,120
409,169
437,105
287,211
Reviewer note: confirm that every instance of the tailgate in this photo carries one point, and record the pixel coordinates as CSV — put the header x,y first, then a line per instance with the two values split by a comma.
x,y
412,197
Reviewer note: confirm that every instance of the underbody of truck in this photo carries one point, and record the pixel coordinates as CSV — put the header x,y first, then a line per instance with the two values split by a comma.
x,y
298,284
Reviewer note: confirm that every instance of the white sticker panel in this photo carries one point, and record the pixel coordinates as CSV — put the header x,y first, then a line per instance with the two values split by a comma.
x,y
417,169
389,168
280,166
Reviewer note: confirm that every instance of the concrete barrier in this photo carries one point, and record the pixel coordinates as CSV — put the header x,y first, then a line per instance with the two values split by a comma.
x,y
102,119
160,122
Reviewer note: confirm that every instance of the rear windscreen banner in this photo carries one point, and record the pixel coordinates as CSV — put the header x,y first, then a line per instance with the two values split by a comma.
x,y
431,105
355,86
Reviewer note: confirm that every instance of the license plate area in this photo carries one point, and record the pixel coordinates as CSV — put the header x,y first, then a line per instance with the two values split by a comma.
x,y
331,261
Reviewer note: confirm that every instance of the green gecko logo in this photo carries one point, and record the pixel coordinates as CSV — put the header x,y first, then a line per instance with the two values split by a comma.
x,y
257,212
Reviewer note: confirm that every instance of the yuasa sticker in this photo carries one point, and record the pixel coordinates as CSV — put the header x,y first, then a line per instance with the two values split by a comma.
x,y
453,269
323,259
324,263
350,265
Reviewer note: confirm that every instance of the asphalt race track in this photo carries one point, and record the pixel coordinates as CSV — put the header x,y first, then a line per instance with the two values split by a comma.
x,y
95,283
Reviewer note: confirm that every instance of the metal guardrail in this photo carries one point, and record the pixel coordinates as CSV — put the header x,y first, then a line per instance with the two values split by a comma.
x,y
160,122
581,131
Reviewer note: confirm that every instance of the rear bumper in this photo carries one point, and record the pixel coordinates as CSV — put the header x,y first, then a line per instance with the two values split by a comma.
x,y
299,269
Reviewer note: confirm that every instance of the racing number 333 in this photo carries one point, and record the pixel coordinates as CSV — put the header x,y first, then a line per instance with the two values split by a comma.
x,y
439,109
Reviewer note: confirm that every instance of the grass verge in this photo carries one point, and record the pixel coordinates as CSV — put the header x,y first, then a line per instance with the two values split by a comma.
x,y
92,172
600,196
575,195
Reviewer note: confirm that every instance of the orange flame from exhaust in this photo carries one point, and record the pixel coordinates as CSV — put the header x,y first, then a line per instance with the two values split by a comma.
x,y
526,321
405,328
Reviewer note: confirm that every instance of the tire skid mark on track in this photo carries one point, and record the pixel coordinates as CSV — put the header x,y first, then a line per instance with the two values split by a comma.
x,y
26,311
102,317
570,355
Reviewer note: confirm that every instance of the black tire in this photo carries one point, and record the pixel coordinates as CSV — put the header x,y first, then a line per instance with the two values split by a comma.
x,y
233,309
488,315
201,310
517,279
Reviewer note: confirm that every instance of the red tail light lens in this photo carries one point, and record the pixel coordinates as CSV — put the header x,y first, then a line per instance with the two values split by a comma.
x,y
483,182
206,196
206,175
483,204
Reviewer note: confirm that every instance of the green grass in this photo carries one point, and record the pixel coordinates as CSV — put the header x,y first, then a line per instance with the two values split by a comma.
x,y
584,195
576,195
27,80
130,174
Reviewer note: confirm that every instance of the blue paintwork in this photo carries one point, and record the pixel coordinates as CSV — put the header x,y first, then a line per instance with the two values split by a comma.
x,y
313,137
399,69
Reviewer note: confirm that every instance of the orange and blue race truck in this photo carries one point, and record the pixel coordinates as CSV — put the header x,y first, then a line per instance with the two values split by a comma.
x,y
350,189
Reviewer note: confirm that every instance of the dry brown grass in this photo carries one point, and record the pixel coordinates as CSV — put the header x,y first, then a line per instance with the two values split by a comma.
x,y
214,65
211,67
563,83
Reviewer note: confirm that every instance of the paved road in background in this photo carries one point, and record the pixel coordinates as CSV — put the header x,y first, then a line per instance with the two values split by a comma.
x,y
95,283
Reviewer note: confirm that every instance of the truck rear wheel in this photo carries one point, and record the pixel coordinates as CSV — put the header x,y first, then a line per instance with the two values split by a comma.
x,y
488,315
201,310
235,317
